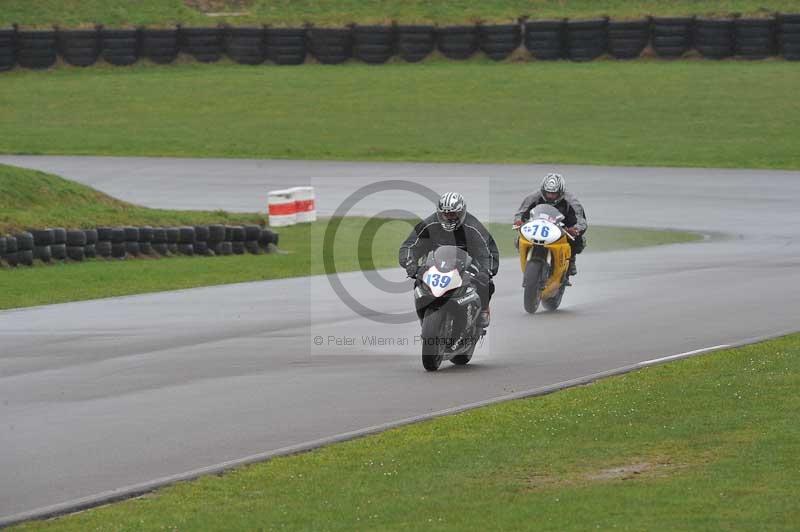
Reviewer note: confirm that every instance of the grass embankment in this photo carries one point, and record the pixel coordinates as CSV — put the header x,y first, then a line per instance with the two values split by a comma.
x,y
710,443
645,113
29,198
72,13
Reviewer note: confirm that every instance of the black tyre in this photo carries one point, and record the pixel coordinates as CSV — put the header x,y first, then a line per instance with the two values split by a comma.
x,y
103,248
216,233
132,248
146,234
552,303
201,248
118,250
76,238
24,241
104,234
224,248
533,286
201,233
173,235
76,253
42,253
117,235
186,249
434,338
59,251
146,248
42,237
186,235
238,247
161,249
252,247
25,257
89,251
237,233
131,234
91,236
159,235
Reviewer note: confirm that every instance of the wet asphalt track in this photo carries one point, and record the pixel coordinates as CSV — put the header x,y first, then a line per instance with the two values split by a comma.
x,y
100,395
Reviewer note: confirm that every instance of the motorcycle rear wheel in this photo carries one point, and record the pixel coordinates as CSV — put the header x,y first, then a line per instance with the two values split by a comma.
x,y
434,339
533,286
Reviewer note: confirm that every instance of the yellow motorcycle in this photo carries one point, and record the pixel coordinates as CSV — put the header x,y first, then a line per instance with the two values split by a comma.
x,y
544,254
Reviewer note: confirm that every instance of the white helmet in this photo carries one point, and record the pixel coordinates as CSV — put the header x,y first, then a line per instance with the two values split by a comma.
x,y
553,188
451,211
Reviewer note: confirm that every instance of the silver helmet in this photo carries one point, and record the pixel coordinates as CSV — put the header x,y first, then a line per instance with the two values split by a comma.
x,y
553,188
451,211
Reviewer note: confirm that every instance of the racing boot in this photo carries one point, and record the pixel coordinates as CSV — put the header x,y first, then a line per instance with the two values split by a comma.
x,y
484,318
572,270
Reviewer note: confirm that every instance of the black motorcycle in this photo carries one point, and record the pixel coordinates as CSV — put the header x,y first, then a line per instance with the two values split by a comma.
x,y
448,305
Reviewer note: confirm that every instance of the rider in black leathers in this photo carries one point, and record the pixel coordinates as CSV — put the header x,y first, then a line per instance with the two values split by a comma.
x,y
452,225
554,192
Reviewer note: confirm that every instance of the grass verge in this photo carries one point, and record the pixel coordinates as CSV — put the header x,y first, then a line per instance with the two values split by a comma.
x,y
73,13
646,113
709,443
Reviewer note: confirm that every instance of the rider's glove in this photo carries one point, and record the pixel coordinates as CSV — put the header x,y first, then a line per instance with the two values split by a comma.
x,y
412,269
483,278
573,231
517,224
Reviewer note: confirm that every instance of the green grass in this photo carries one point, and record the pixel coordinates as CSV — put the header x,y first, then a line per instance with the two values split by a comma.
x,y
711,443
73,13
650,113
35,199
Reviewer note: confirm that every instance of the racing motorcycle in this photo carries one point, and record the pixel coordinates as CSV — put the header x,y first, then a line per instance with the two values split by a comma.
x,y
449,305
544,254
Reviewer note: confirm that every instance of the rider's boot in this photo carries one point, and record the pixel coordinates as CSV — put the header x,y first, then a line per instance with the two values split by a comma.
x,y
484,318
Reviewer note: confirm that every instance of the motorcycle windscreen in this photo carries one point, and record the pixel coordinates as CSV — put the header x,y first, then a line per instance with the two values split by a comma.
x,y
449,258
547,212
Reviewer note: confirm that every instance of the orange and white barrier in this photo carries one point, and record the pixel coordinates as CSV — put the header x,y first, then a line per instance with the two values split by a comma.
x,y
291,206
282,208
305,203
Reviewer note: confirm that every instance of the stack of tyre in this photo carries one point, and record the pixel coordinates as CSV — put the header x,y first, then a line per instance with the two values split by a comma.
x,y
330,46
587,39
59,244
457,42
8,49
120,47
79,47
789,36
160,45
714,38
204,44
286,46
499,41
672,36
373,45
415,43
545,39
246,46
754,38
37,49
627,39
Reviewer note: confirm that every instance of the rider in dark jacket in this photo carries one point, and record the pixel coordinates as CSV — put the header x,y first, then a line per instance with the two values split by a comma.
x,y
452,225
554,192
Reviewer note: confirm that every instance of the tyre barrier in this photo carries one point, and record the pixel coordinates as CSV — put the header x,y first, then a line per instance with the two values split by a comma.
x,y
714,38
587,39
457,42
36,49
415,43
754,38
499,41
672,36
286,46
578,40
204,44
8,49
160,46
627,40
789,37
330,46
119,47
79,47
545,39
246,46
373,45
59,244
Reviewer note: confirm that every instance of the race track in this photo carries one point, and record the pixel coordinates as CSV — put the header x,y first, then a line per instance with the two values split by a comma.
x,y
102,395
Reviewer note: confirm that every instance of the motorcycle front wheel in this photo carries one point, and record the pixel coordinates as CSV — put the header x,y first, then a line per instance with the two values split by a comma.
x,y
434,338
533,286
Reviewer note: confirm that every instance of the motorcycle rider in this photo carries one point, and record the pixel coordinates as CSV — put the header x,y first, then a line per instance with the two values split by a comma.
x,y
554,192
452,225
